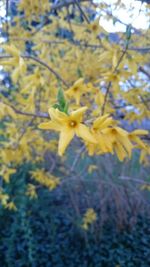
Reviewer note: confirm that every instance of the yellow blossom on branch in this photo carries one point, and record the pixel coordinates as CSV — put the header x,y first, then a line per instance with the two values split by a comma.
x,y
4,198
89,218
31,191
134,137
11,206
15,60
77,90
6,173
68,126
96,28
44,178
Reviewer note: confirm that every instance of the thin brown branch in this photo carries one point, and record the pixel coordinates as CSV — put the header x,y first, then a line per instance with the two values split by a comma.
x,y
126,178
38,115
105,98
82,12
41,63
86,45
46,66
69,20
141,69
7,24
77,158
65,3
110,83
140,49
54,7
144,102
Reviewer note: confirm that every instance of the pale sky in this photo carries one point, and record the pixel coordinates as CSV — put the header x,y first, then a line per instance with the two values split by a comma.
x,y
137,20
136,16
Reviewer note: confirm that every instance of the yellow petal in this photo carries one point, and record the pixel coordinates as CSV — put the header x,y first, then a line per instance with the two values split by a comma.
x,y
15,75
104,144
99,120
65,138
12,50
120,151
49,126
83,132
77,97
91,149
22,65
138,141
103,123
115,59
55,114
121,131
139,132
126,144
79,81
77,114
142,155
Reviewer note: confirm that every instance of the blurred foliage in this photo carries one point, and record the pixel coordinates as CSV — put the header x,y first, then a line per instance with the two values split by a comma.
x,y
47,231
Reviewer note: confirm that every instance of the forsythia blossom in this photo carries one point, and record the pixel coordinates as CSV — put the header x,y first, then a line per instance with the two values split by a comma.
x,y
68,126
89,218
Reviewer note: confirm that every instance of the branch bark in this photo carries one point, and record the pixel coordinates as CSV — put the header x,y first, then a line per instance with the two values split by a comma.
x,y
38,114
42,63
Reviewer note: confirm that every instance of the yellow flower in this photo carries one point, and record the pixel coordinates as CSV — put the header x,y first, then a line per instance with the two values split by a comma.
x,y
68,126
31,191
6,173
104,144
45,179
11,206
18,63
89,217
3,198
133,136
92,168
120,140
77,90
145,187
95,27
103,122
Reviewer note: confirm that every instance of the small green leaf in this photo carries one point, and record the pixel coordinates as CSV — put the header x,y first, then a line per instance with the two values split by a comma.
x,y
56,106
66,108
60,98
79,72
62,104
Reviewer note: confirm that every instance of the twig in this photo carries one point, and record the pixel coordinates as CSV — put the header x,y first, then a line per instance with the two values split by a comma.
x,y
86,45
54,7
69,21
82,12
38,115
140,49
77,158
126,178
109,84
105,98
64,4
42,63
144,71
7,24
121,22
144,102
47,66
